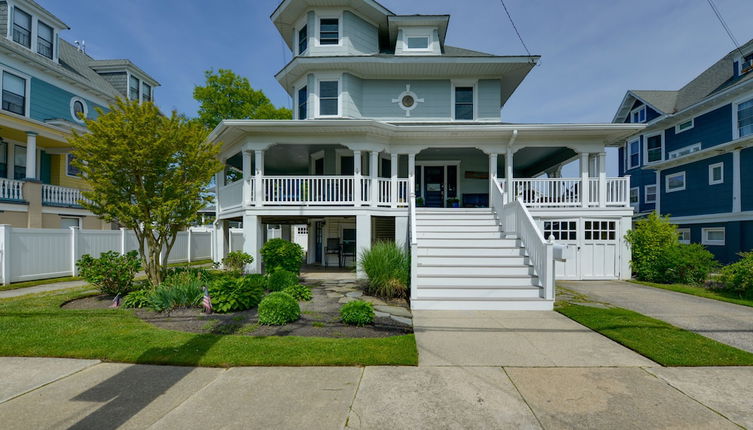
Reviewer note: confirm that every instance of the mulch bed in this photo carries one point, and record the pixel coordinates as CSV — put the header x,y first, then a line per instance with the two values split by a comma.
x,y
319,318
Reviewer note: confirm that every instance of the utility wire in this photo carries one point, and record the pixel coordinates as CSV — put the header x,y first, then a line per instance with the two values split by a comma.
x,y
726,28
516,27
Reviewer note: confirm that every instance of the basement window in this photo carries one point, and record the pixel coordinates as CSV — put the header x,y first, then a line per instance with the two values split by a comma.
x,y
713,236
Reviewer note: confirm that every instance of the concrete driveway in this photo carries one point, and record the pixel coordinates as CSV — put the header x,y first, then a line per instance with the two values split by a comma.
x,y
84,394
725,322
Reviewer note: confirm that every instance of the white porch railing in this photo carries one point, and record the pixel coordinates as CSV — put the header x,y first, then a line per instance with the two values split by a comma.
x,y
11,189
516,219
308,190
230,196
565,192
63,196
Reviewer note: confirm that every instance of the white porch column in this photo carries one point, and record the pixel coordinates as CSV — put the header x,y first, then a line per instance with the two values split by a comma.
x,y
259,175
584,197
509,155
222,237
492,174
253,239
31,155
357,187
736,184
247,191
602,179
412,175
363,240
374,175
393,180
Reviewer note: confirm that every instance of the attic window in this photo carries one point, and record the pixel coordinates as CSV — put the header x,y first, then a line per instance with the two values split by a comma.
x,y
44,39
418,42
329,31
638,115
746,64
21,27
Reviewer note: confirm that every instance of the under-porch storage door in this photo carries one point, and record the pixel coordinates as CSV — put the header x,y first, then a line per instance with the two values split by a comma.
x,y
565,232
599,253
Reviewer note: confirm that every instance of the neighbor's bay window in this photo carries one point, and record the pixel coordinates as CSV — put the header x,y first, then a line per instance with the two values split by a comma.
x,y
329,31
464,103
133,88
14,93
745,118
21,27
328,98
44,39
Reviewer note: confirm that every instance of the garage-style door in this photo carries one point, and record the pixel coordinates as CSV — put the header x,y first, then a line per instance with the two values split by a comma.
x,y
596,244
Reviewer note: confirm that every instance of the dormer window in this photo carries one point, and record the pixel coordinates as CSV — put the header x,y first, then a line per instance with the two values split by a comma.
x,y
133,88
638,115
746,64
21,27
303,39
419,43
329,31
44,39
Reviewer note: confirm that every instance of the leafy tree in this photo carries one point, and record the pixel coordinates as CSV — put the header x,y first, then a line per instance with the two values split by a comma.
x,y
226,95
146,171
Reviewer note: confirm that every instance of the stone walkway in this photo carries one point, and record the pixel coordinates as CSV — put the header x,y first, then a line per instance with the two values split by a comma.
x,y
725,322
51,393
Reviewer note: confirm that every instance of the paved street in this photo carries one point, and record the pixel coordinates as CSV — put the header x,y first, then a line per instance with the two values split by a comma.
x,y
725,322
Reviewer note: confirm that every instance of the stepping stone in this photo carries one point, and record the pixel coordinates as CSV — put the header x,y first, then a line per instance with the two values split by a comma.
x,y
347,300
381,314
395,310
406,321
354,294
334,295
373,300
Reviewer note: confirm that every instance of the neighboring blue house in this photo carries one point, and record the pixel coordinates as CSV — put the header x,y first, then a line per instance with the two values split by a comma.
x,y
694,160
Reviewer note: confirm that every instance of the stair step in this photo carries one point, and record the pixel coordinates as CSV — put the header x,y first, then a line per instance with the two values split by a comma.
x,y
427,281
488,293
482,260
482,304
451,222
461,235
463,242
476,252
457,228
473,272
452,210
461,216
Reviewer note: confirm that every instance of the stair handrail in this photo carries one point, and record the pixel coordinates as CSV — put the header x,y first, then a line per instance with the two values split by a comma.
x,y
516,218
413,239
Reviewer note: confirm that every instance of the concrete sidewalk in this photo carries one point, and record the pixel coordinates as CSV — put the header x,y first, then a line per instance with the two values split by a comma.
x,y
84,394
57,286
725,322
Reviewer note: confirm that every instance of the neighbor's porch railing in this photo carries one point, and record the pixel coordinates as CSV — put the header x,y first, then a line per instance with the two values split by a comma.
x,y
11,189
61,196
566,192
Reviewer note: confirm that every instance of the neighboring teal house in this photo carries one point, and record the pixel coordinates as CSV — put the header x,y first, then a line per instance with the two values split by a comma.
x,y
48,85
694,159
397,136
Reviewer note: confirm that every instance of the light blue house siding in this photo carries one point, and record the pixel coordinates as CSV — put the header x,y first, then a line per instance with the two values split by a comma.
x,y
363,37
50,102
699,197
711,129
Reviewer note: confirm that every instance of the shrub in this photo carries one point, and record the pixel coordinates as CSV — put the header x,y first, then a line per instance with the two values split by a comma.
x,y
182,290
685,264
230,294
650,239
198,271
281,279
738,277
278,309
281,254
111,273
357,313
137,299
299,292
388,268
236,261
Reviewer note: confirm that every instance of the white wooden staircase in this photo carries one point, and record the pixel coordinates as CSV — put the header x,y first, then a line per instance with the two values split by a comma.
x,y
466,262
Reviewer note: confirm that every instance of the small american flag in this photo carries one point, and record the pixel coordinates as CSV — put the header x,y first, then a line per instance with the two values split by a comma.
x,y
116,301
207,301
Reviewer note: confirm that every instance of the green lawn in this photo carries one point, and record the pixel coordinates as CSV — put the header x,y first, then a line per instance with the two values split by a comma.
x,y
722,296
36,326
657,340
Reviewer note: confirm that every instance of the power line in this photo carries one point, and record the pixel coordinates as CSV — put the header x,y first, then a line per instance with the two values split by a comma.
x,y
726,28
516,27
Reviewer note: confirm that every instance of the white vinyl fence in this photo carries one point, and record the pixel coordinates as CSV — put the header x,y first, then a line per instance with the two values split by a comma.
x,y
28,254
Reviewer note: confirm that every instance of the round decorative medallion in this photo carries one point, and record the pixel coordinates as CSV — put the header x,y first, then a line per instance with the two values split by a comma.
x,y
407,100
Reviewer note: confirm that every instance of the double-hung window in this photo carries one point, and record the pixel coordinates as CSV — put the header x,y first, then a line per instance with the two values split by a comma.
x,y
634,154
3,159
328,98
147,92
70,169
654,148
134,88
649,192
303,99
14,93
329,31
19,162
464,103
635,196
21,27
44,39
684,235
303,39
745,118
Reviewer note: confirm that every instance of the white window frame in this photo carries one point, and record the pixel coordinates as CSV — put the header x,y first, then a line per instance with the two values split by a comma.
x,y
645,148
67,165
318,23
637,196
455,84
627,153
677,153
681,235
672,176
418,32
313,159
711,173
646,193
27,89
735,104
638,110
73,113
328,78
77,218
677,127
299,26
706,241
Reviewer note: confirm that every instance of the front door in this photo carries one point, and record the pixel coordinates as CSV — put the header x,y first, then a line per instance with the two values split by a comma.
x,y
434,186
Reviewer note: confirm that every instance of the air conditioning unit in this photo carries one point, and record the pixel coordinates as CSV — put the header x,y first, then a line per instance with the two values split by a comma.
x,y
746,66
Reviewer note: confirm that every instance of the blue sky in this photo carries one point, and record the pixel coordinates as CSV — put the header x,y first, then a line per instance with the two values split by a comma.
x,y
592,50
